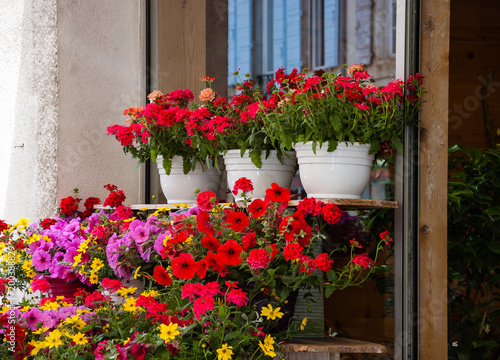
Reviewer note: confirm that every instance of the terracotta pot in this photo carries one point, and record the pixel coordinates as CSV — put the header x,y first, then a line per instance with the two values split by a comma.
x,y
60,287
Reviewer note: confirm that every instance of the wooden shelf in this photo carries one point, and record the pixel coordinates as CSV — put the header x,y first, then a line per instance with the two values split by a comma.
x,y
357,203
343,203
328,348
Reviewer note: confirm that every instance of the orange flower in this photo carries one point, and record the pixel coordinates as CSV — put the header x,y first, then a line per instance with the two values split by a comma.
x,y
207,95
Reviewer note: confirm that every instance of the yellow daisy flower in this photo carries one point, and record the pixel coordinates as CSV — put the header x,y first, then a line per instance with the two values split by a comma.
x,y
136,273
79,339
271,313
124,291
168,332
97,264
268,350
129,305
225,352
94,279
54,339
37,346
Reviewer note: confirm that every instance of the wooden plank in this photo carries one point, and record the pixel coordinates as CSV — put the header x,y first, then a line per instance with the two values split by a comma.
x,y
356,203
332,345
343,203
433,170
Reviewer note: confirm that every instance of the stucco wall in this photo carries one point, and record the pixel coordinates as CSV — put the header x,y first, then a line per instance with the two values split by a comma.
x,y
28,94
101,73
68,70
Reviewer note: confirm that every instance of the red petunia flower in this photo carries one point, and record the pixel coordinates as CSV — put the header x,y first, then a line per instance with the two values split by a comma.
x,y
203,223
229,253
277,193
210,242
184,266
237,220
290,228
161,276
212,261
258,208
201,269
249,241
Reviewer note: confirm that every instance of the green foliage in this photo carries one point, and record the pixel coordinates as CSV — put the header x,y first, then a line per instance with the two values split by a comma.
x,y
473,252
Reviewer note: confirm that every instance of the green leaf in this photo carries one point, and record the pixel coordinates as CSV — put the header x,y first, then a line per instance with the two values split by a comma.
x,y
232,335
493,211
494,246
167,165
329,291
255,157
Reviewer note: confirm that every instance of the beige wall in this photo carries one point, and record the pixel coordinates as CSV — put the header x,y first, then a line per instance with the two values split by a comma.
x,y
69,69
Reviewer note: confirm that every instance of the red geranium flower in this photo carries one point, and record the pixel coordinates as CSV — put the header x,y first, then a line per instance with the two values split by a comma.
x,y
277,193
237,220
242,184
161,276
184,266
229,253
45,223
258,208
204,200
331,213
90,202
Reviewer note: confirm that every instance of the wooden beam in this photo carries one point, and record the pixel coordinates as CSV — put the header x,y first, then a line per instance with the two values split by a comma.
x,y
435,28
192,42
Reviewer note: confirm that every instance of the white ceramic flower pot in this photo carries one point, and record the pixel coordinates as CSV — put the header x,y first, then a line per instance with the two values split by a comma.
x,y
179,188
272,171
343,173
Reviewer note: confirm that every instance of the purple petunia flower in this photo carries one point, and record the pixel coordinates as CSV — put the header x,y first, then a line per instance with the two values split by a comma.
x,y
140,234
41,260
33,316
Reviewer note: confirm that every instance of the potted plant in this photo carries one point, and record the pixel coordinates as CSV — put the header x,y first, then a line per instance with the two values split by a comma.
x,y
222,282
322,113
237,135
164,130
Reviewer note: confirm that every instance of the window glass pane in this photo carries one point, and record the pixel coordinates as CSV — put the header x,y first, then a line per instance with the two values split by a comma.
x,y
328,34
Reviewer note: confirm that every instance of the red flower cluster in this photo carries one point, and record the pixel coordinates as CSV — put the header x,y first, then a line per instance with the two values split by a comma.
x,y
96,300
47,223
115,198
69,206
205,200
242,184
41,285
363,260
3,225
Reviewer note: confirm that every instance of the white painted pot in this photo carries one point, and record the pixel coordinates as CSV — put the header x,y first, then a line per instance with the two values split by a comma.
x,y
179,188
272,171
343,173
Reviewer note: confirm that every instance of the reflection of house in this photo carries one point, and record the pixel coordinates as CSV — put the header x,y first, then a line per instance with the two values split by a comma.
x,y
265,35
70,68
